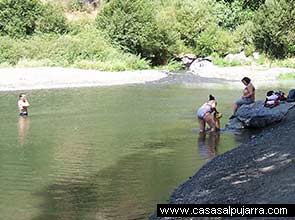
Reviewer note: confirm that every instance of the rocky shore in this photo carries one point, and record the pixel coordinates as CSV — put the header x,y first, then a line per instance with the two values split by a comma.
x,y
258,171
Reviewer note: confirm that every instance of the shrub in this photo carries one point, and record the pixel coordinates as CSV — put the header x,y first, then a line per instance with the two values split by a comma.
x,y
275,33
216,40
28,16
51,21
76,5
232,14
88,49
130,24
9,52
193,17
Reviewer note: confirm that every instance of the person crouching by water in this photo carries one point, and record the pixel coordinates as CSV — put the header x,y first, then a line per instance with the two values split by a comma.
x,y
248,95
23,105
204,115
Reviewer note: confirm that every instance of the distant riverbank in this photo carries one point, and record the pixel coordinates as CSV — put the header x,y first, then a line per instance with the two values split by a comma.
x,y
58,77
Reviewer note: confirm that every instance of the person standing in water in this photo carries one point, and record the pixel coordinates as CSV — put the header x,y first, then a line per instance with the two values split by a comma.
x,y
248,96
204,115
23,105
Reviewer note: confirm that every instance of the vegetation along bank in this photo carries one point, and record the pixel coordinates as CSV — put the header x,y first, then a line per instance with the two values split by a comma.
x,y
115,35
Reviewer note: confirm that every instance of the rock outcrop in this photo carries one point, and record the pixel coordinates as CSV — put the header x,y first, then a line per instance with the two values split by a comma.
x,y
257,116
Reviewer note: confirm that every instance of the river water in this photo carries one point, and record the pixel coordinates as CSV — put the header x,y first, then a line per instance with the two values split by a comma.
x,y
103,153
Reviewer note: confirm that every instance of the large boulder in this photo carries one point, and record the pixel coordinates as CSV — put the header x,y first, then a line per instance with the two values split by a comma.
x,y
240,57
200,63
257,116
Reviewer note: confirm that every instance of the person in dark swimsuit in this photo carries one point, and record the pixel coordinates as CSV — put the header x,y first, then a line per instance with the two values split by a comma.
x,y
248,95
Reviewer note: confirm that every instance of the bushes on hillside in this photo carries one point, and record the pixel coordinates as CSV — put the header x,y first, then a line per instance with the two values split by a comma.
x,y
231,15
88,49
29,16
275,33
216,40
193,17
130,24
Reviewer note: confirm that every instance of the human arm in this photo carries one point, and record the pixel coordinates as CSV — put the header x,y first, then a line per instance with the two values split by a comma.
x,y
250,91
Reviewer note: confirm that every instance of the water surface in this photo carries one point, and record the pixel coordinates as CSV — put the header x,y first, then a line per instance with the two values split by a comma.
x,y
102,153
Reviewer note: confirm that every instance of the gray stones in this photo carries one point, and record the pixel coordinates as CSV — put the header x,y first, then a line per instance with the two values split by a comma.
x,y
257,116
200,63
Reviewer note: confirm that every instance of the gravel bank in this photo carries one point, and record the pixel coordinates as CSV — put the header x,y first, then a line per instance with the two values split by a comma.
x,y
260,75
56,77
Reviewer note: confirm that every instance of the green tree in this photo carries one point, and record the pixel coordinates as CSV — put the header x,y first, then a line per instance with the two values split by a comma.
x,y
24,17
231,15
247,4
275,23
132,25
193,17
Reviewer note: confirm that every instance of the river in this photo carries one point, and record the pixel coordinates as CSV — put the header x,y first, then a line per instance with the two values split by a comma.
x,y
103,153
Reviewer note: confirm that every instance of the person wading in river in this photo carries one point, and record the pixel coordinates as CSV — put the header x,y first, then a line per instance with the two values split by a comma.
x,y
248,95
204,115
23,105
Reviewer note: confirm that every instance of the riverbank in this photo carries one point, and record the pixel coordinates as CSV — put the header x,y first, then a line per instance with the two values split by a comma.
x,y
258,171
57,77
260,75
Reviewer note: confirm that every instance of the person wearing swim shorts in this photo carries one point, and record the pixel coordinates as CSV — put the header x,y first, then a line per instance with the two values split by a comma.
x,y
23,105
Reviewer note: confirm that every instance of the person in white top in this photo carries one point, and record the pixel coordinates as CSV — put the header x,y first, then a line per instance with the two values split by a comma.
x,y
23,105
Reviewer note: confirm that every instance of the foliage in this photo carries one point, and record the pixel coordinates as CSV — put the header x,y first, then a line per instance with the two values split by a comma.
x,y
220,61
29,16
216,40
193,17
131,25
275,28
287,76
51,21
231,15
290,62
173,66
76,5
248,4
88,49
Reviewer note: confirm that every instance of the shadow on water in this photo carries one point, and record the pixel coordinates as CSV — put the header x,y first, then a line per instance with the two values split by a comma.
x,y
124,190
111,193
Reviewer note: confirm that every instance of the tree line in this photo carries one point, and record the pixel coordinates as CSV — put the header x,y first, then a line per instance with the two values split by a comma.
x,y
159,30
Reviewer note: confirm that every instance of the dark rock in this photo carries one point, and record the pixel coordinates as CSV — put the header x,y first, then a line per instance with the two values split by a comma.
x,y
257,116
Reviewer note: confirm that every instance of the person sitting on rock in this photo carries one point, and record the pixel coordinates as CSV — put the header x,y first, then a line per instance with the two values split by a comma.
x,y
248,95
204,115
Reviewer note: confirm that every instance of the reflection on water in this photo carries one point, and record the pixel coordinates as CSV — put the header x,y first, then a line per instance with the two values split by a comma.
x,y
208,144
122,151
23,127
